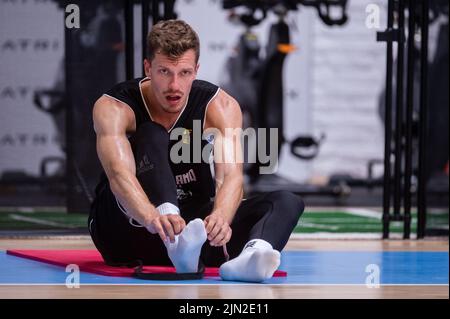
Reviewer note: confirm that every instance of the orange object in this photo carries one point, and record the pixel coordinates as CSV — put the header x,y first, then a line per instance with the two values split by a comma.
x,y
286,48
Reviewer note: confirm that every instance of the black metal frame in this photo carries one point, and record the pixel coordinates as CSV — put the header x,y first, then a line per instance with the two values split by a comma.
x,y
401,150
148,7
129,39
421,195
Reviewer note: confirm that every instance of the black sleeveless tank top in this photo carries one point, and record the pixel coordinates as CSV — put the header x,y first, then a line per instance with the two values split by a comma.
x,y
194,178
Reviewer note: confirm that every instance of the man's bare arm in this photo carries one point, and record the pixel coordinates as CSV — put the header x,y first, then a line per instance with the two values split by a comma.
x,y
112,119
224,113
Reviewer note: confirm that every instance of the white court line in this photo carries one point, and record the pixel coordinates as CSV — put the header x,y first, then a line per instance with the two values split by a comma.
x,y
312,225
39,221
364,212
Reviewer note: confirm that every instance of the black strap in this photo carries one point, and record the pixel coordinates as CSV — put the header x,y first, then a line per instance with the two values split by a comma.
x,y
138,273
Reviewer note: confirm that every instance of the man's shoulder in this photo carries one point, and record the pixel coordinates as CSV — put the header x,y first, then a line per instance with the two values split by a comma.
x,y
217,93
127,92
223,109
202,85
131,86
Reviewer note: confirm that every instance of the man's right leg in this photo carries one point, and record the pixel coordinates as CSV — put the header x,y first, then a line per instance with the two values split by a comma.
x,y
150,144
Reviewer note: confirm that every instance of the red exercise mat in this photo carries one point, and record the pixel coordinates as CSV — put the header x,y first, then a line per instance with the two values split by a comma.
x,y
91,261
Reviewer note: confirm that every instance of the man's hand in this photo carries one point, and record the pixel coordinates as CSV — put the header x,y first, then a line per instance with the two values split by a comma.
x,y
218,229
166,226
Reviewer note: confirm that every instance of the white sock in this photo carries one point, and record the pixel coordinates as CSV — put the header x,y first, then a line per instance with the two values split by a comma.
x,y
256,263
185,251
168,208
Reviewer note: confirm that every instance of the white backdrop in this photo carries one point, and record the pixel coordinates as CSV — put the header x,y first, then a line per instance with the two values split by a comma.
x,y
31,50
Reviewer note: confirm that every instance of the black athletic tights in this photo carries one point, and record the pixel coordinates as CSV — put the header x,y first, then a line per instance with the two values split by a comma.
x,y
271,216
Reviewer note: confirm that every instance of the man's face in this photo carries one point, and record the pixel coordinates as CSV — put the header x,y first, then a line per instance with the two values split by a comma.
x,y
172,79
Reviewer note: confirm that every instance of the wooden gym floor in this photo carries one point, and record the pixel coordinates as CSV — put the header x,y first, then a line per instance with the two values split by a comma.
x,y
330,252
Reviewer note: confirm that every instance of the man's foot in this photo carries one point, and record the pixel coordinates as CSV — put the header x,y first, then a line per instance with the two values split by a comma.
x,y
256,263
185,251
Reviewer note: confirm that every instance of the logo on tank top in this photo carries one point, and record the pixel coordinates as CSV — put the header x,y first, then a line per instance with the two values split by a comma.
x,y
144,165
182,194
186,178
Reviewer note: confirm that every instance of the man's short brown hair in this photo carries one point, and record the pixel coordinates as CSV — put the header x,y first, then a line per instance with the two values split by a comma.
x,y
172,38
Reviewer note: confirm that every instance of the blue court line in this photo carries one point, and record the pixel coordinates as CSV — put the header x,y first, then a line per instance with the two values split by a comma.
x,y
303,267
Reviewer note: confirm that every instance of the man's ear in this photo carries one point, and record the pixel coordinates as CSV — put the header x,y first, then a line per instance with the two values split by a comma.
x,y
197,67
147,67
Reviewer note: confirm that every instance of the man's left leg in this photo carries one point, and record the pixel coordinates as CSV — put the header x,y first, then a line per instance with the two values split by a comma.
x,y
261,228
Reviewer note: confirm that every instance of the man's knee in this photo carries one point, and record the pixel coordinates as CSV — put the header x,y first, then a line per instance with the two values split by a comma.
x,y
291,204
